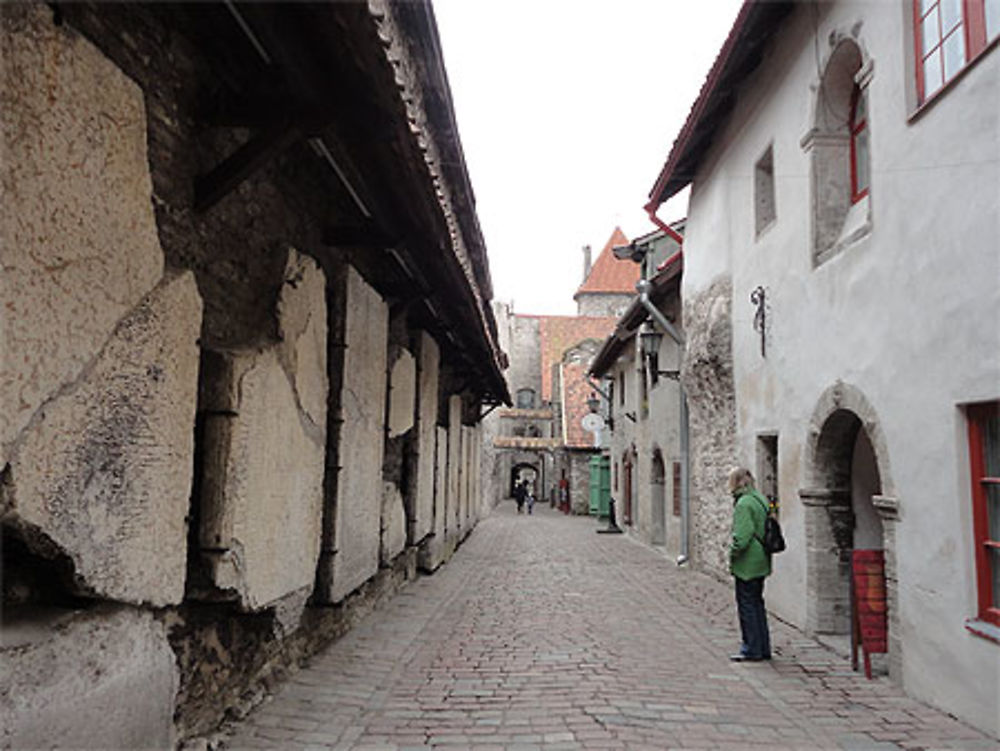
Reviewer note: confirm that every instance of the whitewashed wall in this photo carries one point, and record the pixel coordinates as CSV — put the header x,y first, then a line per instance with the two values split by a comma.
x,y
906,315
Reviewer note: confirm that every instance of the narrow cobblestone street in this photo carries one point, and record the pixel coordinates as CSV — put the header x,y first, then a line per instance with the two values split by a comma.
x,y
542,634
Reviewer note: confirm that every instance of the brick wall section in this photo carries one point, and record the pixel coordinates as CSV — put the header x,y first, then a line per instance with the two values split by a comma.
x,y
576,390
556,334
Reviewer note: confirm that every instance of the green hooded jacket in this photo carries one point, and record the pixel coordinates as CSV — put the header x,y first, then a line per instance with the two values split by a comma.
x,y
747,559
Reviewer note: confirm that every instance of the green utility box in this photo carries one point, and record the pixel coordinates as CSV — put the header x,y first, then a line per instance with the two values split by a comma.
x,y
600,486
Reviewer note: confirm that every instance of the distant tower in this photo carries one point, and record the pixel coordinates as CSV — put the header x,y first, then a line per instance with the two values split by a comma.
x,y
609,284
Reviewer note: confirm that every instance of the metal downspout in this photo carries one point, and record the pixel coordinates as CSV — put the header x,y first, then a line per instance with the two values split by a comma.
x,y
642,286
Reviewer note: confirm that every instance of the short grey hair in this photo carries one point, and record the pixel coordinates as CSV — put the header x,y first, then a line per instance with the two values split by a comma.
x,y
739,477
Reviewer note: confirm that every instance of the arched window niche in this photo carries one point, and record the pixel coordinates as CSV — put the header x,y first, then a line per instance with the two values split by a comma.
x,y
838,144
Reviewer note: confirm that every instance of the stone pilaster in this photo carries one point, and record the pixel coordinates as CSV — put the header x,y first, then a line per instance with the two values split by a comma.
x,y
827,516
888,511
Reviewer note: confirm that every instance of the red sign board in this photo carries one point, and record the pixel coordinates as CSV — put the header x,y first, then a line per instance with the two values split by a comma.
x,y
870,605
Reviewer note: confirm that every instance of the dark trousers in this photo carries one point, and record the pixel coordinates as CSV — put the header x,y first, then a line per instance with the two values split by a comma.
x,y
753,618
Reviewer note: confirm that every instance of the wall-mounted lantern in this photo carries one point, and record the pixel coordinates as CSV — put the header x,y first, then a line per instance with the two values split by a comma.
x,y
649,346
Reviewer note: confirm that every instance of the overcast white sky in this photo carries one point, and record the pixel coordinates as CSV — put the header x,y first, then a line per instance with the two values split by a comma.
x,y
567,110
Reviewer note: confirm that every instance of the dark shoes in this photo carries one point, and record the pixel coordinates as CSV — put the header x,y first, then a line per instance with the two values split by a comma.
x,y
740,657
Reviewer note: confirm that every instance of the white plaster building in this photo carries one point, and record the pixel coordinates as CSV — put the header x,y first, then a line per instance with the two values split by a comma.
x,y
641,403
843,164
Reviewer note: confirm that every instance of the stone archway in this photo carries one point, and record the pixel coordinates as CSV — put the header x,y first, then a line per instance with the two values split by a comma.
x,y
523,471
850,496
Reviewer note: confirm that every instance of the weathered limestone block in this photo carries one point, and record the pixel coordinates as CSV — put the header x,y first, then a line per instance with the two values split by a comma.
x,y
262,487
426,426
80,246
431,549
441,474
362,444
104,469
707,375
393,524
265,439
402,394
302,330
465,493
453,507
104,678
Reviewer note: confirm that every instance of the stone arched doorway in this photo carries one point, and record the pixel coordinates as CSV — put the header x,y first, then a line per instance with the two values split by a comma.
x,y
849,505
523,471
658,480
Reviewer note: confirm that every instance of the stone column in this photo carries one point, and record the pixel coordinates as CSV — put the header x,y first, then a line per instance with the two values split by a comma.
x,y
888,511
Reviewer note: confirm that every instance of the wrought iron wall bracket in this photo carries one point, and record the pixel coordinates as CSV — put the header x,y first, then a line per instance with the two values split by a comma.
x,y
758,298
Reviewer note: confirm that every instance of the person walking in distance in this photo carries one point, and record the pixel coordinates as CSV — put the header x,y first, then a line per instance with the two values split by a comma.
x,y
749,565
519,494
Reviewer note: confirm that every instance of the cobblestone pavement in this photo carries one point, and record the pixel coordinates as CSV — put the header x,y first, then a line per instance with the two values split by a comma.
x,y
542,634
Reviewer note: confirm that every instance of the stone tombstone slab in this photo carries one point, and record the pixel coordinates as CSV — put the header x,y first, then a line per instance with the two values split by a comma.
x,y
104,469
477,471
265,440
393,523
453,508
359,487
402,394
466,479
93,679
80,247
427,410
302,330
432,548
440,482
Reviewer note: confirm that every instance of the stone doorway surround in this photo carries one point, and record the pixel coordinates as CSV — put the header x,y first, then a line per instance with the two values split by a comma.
x,y
841,412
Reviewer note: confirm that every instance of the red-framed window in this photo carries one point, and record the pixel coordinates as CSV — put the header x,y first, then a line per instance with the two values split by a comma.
x,y
984,455
860,176
949,35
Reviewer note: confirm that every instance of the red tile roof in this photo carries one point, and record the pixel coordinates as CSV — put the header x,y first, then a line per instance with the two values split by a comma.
x,y
556,334
575,392
608,274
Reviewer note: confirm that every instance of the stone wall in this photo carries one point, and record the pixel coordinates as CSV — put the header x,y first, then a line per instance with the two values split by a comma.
x,y
119,694
707,376
198,416
99,384
603,304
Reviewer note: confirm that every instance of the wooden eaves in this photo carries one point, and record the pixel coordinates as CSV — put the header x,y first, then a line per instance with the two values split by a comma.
x,y
361,88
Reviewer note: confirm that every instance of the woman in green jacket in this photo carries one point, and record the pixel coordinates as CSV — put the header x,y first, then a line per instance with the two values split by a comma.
x,y
750,565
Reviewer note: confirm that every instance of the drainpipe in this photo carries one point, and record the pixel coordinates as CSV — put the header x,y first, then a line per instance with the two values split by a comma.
x,y
651,208
642,287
